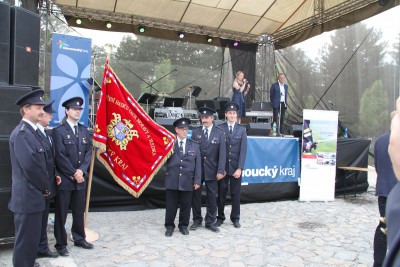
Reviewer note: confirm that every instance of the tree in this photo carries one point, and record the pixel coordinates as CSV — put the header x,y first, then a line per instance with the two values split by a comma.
x,y
373,112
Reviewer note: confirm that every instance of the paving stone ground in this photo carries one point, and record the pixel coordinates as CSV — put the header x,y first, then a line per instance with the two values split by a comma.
x,y
281,233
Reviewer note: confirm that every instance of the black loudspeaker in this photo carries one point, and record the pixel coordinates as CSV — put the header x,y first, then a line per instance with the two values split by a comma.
x,y
25,42
258,129
297,130
6,216
4,43
261,106
9,112
167,124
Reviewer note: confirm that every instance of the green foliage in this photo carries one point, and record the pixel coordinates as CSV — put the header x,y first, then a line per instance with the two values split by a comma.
x,y
373,113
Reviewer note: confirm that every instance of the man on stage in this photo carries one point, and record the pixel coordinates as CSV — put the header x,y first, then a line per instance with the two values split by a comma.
x,y
213,153
236,149
182,176
73,154
30,182
278,96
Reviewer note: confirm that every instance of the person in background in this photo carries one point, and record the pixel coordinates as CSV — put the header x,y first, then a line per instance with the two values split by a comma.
x,y
385,181
240,89
43,250
278,97
73,153
213,154
182,176
393,201
236,149
30,183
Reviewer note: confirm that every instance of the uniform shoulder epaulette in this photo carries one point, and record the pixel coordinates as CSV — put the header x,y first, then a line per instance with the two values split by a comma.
x,y
240,125
80,124
191,140
58,126
22,127
219,128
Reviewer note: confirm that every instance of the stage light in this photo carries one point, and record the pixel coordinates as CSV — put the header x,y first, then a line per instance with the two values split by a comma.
x,y
142,29
235,43
78,21
108,25
181,35
209,39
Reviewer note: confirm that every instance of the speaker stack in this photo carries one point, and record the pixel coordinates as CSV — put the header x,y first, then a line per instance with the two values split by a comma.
x,y
19,71
258,129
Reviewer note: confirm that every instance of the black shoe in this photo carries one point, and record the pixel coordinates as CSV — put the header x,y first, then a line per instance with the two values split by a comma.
x,y
47,254
83,244
218,223
169,232
236,224
195,225
213,228
184,231
36,264
63,252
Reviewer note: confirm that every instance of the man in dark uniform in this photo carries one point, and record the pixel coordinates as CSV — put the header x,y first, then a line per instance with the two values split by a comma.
x,y
30,183
44,122
213,154
73,154
393,201
236,149
385,181
182,176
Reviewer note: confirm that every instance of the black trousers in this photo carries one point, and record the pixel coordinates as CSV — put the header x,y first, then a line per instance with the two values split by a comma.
x,y
235,186
44,244
65,198
196,204
211,194
275,112
175,199
380,239
27,237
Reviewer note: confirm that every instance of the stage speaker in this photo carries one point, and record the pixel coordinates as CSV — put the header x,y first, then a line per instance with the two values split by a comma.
x,y
25,42
4,43
6,216
261,106
297,130
258,129
167,124
9,112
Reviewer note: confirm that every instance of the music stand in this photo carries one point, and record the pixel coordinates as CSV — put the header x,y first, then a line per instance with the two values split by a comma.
x,y
176,102
147,99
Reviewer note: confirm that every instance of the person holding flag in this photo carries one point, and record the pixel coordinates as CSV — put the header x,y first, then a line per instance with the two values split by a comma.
x,y
73,153
183,174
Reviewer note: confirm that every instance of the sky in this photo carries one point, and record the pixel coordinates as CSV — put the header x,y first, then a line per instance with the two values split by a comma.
x,y
388,22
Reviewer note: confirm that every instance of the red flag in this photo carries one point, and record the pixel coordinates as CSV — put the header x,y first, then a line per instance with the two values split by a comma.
x,y
131,145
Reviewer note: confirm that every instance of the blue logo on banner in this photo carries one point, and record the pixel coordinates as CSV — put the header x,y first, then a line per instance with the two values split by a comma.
x,y
70,71
271,160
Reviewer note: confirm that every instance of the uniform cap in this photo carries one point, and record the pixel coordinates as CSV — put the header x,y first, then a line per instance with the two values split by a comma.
x,y
181,122
231,106
206,111
49,108
74,102
34,97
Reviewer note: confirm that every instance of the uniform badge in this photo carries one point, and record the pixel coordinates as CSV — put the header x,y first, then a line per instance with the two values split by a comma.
x,y
121,132
68,136
84,140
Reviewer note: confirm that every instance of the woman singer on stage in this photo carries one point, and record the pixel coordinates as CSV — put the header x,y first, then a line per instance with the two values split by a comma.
x,y
240,89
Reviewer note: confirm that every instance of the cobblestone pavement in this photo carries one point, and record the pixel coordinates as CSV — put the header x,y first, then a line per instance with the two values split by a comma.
x,y
282,233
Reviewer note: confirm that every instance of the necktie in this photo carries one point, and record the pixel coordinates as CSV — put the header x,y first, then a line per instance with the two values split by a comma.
x,y
206,133
230,129
38,135
76,131
48,137
181,147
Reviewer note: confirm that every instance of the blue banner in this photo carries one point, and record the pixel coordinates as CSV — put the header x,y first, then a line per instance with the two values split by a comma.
x,y
70,71
271,160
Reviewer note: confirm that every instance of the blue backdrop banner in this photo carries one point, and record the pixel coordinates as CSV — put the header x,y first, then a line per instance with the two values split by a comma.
x,y
70,71
271,160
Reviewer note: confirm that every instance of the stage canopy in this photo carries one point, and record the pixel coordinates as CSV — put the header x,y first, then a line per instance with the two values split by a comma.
x,y
280,22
